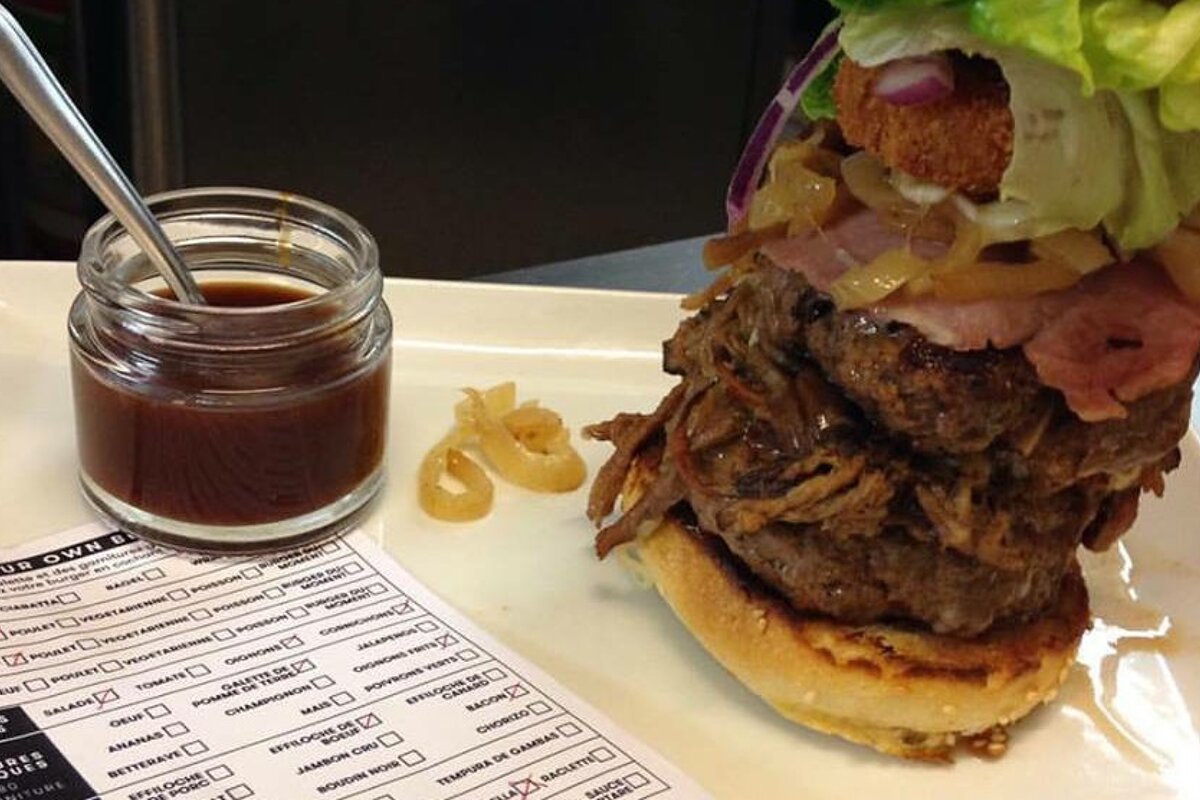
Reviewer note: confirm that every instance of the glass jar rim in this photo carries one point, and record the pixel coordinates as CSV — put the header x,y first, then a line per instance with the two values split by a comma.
x,y
165,206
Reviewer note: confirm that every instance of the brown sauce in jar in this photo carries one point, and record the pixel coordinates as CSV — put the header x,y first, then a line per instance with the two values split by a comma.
x,y
243,463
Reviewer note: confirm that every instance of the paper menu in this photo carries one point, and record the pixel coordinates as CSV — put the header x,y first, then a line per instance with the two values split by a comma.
x,y
130,672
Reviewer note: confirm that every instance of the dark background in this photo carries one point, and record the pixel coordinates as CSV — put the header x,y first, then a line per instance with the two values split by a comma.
x,y
470,136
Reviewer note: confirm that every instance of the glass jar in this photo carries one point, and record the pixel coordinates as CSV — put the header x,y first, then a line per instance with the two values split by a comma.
x,y
254,422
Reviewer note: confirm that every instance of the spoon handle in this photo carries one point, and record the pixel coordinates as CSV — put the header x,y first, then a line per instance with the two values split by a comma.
x,y
33,84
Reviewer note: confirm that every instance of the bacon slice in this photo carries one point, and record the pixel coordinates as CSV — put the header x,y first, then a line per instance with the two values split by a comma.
x,y
1123,334
823,255
977,324
1113,338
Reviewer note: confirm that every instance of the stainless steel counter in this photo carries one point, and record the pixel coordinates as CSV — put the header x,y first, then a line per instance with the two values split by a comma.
x,y
670,267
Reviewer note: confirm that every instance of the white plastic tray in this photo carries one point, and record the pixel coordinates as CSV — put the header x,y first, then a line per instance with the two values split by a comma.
x,y
1126,723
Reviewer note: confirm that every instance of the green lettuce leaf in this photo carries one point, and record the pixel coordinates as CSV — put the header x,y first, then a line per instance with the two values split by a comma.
x,y
1134,45
1050,29
1079,158
817,100
1123,45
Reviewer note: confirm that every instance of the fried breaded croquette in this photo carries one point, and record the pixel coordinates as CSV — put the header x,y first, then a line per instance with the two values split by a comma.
x,y
961,142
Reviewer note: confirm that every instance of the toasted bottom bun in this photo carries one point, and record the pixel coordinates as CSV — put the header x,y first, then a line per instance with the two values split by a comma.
x,y
904,692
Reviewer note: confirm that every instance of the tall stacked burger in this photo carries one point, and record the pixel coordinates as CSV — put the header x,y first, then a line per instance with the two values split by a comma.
x,y
954,341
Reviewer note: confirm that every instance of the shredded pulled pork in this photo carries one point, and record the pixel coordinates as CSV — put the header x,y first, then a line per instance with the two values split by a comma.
x,y
869,503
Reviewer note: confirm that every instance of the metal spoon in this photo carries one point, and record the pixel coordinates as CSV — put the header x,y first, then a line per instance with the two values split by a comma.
x,y
33,84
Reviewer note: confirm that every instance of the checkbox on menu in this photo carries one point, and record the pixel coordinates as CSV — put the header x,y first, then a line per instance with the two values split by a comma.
x,y
427,626
219,773
223,634
178,594
332,547
446,639
67,622
353,568
111,666
342,698
569,729
515,691
175,729
411,758
195,748
368,721
201,613
240,792
467,655
292,642
303,665
250,573
602,754
87,644
400,609
523,787
494,674
322,682
273,592
15,660
153,574
68,597
3,636
635,780
105,696
198,670
157,711
297,613
36,684
539,707
389,739
376,588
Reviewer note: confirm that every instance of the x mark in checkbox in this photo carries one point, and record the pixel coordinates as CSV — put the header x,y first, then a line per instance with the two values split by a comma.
x,y
368,721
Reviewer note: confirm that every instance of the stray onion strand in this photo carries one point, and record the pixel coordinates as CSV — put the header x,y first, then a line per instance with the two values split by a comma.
x,y
474,502
528,445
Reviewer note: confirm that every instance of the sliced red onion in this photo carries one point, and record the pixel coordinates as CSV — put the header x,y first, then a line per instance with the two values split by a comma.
x,y
754,157
915,81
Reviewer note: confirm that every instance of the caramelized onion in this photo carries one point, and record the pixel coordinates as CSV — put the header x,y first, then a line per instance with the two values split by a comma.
x,y
1179,255
555,468
796,193
722,251
1001,220
867,179
1082,251
527,444
496,401
870,283
474,502
969,241
990,280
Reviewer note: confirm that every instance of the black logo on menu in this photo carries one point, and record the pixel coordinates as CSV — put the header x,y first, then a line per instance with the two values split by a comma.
x,y
65,554
30,764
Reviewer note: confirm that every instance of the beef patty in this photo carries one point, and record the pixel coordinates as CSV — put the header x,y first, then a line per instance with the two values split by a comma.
x,y
867,474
